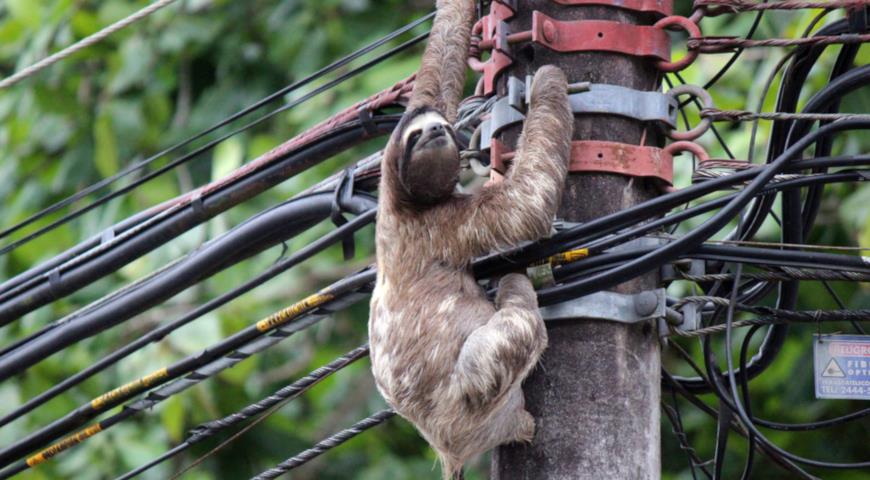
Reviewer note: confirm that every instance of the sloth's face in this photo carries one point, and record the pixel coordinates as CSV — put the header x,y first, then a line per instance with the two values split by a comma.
x,y
429,167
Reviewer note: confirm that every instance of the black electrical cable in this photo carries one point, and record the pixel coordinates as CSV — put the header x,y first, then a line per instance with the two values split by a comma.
x,y
791,258
676,218
500,263
720,253
187,216
183,367
744,384
722,71
793,221
672,383
337,140
241,113
28,286
677,428
160,332
698,235
825,101
747,421
79,250
803,60
300,318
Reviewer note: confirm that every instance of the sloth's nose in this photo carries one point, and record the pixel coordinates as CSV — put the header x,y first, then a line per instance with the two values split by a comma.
x,y
435,128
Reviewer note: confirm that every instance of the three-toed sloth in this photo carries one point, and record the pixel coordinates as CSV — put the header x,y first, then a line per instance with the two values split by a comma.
x,y
443,356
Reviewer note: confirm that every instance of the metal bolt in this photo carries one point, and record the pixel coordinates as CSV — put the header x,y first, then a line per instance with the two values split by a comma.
x,y
578,87
549,31
645,303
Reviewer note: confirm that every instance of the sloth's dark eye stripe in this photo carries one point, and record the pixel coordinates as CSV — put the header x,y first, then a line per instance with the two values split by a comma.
x,y
414,136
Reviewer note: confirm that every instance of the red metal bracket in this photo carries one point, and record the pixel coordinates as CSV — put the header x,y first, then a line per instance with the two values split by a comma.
x,y
494,35
694,32
601,36
677,148
621,158
665,8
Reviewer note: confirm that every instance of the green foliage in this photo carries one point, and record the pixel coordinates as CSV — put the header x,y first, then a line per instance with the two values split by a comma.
x,y
191,65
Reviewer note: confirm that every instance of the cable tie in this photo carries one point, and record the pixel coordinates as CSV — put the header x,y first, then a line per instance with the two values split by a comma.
x,y
364,114
343,193
54,283
107,236
196,203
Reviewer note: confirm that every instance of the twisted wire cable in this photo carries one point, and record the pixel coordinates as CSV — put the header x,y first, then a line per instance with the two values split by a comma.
x,y
770,316
786,274
326,445
718,115
281,396
736,6
210,428
721,45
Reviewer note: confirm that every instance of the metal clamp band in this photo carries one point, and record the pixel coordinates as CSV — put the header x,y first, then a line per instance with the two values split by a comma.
x,y
505,112
661,7
622,158
627,102
601,36
596,98
611,306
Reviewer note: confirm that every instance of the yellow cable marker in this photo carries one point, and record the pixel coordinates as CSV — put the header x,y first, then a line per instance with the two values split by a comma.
x,y
128,388
569,256
63,445
283,316
276,319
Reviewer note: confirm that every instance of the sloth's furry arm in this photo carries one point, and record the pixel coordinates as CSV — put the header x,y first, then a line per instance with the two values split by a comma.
x,y
442,70
521,207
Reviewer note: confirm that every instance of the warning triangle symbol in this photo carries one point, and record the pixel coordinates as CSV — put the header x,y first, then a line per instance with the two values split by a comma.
x,y
833,370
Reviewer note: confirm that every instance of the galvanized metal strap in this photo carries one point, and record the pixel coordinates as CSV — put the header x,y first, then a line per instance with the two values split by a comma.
x,y
610,306
644,106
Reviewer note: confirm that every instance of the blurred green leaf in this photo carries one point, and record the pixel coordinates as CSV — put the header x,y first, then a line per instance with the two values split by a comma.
x,y
172,418
106,151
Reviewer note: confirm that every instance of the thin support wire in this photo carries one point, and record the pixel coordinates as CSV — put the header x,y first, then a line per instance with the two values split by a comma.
x,y
83,43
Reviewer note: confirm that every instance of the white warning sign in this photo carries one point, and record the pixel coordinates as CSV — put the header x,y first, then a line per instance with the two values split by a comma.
x,y
833,370
842,366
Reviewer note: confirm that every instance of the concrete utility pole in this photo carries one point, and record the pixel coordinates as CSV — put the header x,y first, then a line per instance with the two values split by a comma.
x,y
596,395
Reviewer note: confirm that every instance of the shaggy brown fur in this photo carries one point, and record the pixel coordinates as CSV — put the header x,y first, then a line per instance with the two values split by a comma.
x,y
443,355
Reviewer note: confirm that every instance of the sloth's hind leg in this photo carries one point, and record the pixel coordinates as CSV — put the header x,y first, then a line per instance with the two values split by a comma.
x,y
500,354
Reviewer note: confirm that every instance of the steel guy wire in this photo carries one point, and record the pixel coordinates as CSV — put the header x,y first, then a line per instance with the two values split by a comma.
x,y
326,444
83,43
260,409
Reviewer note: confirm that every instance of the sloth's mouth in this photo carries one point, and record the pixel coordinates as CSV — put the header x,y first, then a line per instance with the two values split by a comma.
x,y
431,139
